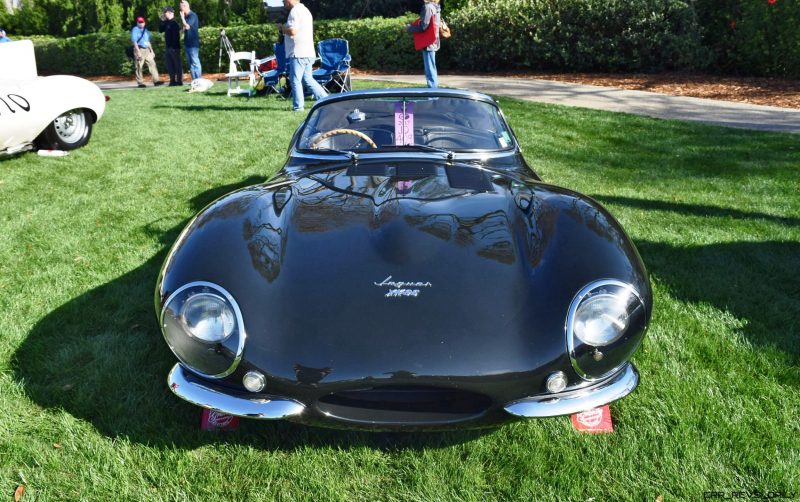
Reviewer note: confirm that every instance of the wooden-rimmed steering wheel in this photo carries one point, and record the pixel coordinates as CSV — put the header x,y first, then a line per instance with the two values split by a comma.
x,y
334,132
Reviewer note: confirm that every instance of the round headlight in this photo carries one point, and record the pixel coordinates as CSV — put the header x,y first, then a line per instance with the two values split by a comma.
x,y
208,318
607,314
601,319
203,326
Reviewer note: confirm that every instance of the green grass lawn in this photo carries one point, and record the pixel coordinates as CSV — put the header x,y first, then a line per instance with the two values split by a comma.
x,y
86,414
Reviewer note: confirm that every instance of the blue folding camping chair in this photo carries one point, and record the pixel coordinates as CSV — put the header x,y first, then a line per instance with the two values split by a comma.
x,y
276,80
334,70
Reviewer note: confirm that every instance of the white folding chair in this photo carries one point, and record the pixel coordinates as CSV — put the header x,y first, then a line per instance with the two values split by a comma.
x,y
242,66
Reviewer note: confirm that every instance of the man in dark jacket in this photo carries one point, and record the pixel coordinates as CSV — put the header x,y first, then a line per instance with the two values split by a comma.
x,y
172,37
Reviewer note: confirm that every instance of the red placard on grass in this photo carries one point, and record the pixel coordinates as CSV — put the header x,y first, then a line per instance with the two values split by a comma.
x,y
594,421
216,421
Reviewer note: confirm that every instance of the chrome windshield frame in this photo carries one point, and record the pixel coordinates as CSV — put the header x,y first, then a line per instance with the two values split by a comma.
x,y
415,92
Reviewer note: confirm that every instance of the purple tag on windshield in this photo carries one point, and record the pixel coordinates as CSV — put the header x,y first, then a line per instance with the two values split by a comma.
x,y
403,124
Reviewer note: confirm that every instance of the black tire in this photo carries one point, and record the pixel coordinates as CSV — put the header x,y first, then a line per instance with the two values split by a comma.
x,y
68,131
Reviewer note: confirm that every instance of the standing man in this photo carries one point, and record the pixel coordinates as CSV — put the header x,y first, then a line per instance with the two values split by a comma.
x,y
143,52
191,39
3,37
429,19
300,55
172,38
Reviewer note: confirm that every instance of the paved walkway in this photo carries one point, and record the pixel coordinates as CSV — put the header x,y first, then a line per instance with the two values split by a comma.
x,y
651,104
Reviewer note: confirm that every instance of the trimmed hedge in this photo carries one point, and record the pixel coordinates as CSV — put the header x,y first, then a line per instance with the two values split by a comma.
x,y
747,37
70,18
374,43
576,35
563,35
98,54
752,37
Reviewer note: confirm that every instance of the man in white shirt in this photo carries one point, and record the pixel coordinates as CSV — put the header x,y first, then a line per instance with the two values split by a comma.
x,y
300,54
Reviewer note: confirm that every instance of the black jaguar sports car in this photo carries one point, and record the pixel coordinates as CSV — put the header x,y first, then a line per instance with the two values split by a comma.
x,y
405,269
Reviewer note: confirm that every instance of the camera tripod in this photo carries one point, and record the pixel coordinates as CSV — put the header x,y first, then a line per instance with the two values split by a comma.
x,y
226,47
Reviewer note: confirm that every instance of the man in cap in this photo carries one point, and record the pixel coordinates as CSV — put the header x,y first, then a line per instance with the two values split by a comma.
x,y
143,52
3,37
172,37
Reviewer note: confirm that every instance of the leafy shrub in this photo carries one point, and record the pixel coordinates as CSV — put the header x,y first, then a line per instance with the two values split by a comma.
x,y
752,37
68,18
488,35
374,43
575,35
357,9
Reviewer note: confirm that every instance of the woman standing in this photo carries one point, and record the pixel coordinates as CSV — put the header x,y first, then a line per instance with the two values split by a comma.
x,y
426,38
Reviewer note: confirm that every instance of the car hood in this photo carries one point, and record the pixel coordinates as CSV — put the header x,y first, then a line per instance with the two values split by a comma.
x,y
392,276
343,276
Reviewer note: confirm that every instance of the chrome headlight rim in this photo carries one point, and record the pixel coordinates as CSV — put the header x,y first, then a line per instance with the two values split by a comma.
x,y
570,325
242,334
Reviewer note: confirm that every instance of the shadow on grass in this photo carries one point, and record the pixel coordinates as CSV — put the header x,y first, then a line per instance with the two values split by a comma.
x,y
244,107
655,151
695,209
756,282
101,358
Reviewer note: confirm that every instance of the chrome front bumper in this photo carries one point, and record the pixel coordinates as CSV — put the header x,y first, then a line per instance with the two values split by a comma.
x,y
565,403
576,401
206,397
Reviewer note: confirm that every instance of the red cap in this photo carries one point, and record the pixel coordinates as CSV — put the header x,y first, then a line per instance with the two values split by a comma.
x,y
140,19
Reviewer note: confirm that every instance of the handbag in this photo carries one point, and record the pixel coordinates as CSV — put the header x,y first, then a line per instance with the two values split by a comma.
x,y
444,30
425,38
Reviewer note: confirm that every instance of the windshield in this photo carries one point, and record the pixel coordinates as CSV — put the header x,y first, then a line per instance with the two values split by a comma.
x,y
448,123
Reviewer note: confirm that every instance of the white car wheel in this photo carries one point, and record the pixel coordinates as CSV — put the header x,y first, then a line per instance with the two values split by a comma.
x,y
68,131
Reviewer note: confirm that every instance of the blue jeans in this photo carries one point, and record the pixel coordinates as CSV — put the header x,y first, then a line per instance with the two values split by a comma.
x,y
193,58
429,58
299,74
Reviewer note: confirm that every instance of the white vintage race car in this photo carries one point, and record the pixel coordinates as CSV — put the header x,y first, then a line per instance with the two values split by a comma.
x,y
54,112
